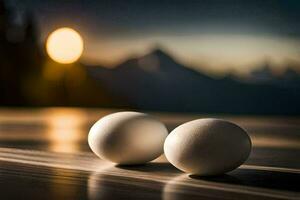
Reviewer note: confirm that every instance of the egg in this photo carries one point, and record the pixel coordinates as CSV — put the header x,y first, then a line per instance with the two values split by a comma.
x,y
127,138
207,147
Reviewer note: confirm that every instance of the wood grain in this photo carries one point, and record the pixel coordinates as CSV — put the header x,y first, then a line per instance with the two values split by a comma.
x,y
44,155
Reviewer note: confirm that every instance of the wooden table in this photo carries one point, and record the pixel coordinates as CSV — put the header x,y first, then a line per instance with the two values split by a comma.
x,y
44,155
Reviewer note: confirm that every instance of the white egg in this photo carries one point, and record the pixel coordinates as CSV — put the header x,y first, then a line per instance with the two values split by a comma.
x,y
127,138
207,147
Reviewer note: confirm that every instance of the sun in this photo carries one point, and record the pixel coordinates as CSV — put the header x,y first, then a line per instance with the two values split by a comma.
x,y
64,45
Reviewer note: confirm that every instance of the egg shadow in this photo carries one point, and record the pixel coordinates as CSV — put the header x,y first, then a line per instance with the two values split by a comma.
x,y
151,167
222,178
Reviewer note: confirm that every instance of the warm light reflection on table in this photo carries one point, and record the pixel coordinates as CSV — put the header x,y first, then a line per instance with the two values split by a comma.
x,y
65,131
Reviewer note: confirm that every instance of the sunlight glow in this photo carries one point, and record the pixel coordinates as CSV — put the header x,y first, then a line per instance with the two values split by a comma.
x,y
64,45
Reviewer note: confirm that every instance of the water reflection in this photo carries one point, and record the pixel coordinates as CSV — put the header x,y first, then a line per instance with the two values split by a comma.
x,y
65,130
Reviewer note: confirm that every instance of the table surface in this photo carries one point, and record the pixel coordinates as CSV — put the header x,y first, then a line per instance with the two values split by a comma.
x,y
44,155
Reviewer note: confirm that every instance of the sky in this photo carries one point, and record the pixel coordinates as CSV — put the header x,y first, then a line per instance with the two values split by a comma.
x,y
213,35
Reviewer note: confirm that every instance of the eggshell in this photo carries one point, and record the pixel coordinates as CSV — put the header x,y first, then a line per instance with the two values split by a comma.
x,y
127,138
207,147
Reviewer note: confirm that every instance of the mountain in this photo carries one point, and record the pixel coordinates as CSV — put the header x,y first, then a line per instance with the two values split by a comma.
x,y
158,82
264,75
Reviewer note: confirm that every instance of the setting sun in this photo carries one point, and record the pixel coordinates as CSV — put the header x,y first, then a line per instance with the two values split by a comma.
x,y
64,45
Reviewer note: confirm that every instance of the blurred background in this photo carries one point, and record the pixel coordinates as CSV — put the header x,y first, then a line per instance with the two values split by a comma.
x,y
235,57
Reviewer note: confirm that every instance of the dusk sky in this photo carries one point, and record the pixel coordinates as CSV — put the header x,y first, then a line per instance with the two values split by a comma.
x,y
220,35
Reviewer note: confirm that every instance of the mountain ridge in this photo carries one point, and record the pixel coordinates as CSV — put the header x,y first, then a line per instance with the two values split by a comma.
x,y
156,81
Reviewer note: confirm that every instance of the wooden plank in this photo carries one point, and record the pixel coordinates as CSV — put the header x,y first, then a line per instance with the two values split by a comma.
x,y
44,155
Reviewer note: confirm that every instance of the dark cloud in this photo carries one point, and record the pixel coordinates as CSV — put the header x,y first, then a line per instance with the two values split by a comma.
x,y
254,16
